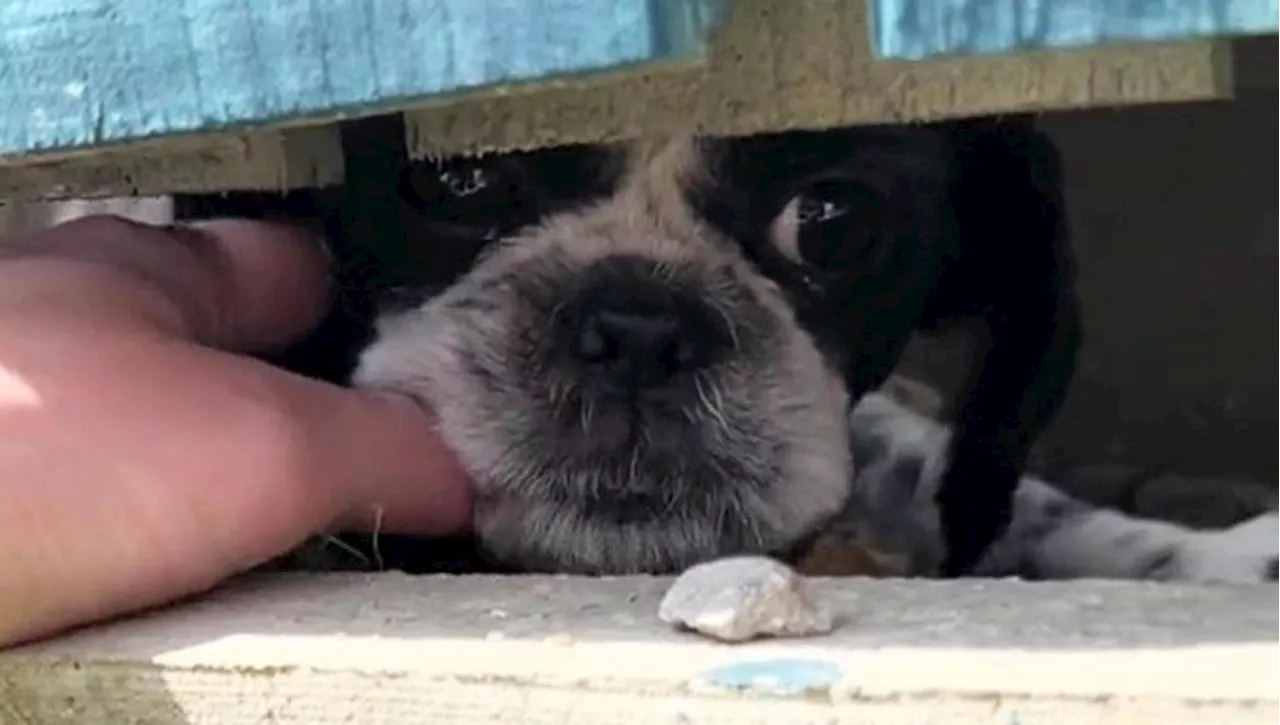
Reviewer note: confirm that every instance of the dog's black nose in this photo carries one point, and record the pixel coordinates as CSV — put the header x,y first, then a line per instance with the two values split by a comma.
x,y
640,339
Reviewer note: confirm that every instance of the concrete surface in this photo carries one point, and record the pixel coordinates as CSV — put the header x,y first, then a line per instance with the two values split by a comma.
x,y
395,649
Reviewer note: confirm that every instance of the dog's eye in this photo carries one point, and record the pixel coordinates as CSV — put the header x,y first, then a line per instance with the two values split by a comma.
x,y
816,210
831,225
466,181
468,194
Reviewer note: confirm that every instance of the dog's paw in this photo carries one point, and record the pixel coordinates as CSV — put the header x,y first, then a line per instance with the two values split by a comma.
x,y
1246,552
837,554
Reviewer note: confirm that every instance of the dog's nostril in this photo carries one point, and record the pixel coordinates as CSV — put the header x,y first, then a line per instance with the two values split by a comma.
x,y
641,346
593,345
608,334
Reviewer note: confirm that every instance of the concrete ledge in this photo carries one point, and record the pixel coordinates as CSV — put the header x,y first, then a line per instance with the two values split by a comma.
x,y
394,649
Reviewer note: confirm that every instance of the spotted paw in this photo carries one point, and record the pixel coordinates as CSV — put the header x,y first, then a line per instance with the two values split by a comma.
x,y
1246,552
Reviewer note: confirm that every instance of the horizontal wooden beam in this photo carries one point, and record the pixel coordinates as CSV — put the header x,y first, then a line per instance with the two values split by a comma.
x,y
76,74
388,648
773,64
911,29
309,156
809,65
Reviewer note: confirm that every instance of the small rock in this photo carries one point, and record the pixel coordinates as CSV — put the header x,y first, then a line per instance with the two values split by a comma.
x,y
741,598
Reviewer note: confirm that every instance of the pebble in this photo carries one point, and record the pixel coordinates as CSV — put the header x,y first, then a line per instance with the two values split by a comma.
x,y
741,598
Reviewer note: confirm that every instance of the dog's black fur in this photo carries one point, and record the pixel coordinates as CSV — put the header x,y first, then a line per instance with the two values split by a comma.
x,y
986,246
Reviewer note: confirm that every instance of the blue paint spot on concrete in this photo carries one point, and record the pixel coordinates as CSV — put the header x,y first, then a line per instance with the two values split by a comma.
x,y
784,676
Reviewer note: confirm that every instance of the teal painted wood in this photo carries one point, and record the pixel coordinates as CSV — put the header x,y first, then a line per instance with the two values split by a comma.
x,y
918,29
77,73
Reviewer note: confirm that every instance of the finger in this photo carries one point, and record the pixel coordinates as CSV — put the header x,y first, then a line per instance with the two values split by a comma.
x,y
277,283
386,453
165,467
239,285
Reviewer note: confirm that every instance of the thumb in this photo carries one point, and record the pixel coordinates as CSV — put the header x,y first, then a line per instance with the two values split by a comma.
x,y
382,450
386,455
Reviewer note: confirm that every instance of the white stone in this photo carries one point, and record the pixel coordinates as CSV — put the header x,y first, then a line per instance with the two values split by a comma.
x,y
743,597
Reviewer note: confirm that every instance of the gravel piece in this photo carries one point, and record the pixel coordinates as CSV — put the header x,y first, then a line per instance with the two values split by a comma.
x,y
741,598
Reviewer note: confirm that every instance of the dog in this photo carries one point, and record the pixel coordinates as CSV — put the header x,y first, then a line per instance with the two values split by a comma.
x,y
652,353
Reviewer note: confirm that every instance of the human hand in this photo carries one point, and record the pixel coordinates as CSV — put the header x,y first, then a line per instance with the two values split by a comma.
x,y
144,456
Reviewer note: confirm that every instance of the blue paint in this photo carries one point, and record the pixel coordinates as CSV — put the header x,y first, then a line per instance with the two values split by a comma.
x,y
783,676
918,29
77,73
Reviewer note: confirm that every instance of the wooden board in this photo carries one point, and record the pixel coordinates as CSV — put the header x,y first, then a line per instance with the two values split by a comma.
x,y
271,159
82,73
810,66
774,64
914,29
387,648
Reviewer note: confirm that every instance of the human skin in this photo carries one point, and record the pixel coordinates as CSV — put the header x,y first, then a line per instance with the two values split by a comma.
x,y
144,456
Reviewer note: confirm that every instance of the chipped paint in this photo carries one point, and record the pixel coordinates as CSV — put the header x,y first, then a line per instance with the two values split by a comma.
x,y
782,676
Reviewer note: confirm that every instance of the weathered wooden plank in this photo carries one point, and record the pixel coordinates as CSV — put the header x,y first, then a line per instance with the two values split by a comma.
x,y
78,73
777,65
774,65
916,29
308,156
314,650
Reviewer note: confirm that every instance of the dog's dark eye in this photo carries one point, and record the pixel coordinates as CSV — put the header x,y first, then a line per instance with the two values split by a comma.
x,y
831,226
466,181
476,196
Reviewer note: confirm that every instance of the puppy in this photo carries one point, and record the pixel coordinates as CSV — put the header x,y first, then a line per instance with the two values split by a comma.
x,y
646,353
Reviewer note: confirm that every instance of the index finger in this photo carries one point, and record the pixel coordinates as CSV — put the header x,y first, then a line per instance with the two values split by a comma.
x,y
277,281
237,284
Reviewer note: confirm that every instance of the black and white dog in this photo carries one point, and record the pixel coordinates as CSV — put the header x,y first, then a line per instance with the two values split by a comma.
x,y
654,353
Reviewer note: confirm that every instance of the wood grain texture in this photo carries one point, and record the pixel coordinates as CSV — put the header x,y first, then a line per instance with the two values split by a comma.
x,y
773,65
778,65
389,648
308,156
915,29
76,73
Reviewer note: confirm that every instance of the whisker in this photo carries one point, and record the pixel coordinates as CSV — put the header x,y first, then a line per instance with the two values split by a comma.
x,y
707,403
633,472
729,325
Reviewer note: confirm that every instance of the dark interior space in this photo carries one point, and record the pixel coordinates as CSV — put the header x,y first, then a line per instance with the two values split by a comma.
x,y
1174,216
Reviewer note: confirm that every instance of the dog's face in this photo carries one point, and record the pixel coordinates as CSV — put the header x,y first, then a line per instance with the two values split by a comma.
x,y
643,353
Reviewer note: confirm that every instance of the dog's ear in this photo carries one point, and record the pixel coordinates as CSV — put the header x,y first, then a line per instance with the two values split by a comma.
x,y
1015,275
